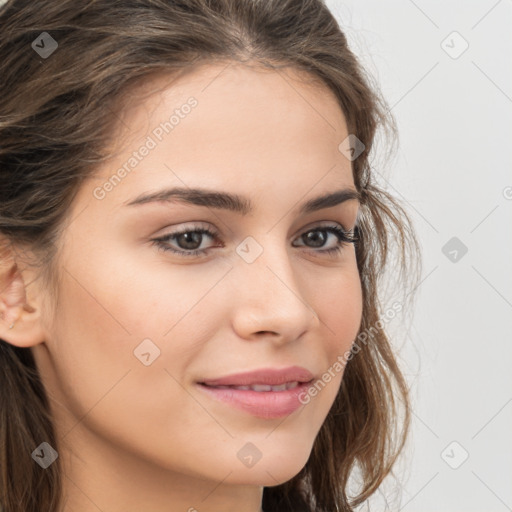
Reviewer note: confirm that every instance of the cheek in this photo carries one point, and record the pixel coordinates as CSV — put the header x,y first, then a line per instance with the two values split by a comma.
x,y
340,307
90,345
113,317
105,388
338,304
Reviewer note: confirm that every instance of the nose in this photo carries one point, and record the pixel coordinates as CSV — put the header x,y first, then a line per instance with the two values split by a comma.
x,y
270,300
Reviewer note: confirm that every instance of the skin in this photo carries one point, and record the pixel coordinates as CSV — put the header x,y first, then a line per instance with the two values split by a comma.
x,y
135,437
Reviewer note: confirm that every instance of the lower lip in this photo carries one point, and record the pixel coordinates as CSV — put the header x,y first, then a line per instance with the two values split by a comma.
x,y
264,404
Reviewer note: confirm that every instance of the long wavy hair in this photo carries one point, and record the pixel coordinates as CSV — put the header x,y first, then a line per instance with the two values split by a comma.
x,y
57,113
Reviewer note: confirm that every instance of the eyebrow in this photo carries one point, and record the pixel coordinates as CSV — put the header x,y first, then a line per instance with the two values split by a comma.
x,y
236,203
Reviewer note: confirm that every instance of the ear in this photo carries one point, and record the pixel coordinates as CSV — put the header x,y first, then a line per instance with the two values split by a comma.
x,y
20,310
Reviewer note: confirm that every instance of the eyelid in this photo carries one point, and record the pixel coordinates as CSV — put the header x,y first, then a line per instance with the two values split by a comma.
x,y
319,224
344,237
208,227
186,227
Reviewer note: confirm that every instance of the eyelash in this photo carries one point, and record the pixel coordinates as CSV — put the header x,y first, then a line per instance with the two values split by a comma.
x,y
344,238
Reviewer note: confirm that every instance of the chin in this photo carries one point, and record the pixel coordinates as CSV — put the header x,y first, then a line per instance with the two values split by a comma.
x,y
274,468
265,477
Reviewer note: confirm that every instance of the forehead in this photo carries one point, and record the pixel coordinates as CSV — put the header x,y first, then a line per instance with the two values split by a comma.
x,y
269,127
234,99
249,84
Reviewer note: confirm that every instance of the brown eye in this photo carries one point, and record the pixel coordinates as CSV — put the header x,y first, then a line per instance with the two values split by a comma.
x,y
187,241
319,236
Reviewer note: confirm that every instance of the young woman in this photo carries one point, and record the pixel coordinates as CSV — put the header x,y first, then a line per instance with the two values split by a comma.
x,y
192,245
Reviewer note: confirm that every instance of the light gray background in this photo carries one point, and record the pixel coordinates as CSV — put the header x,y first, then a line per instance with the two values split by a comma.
x,y
454,170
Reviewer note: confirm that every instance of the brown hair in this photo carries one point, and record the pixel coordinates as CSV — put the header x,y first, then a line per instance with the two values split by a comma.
x,y
55,117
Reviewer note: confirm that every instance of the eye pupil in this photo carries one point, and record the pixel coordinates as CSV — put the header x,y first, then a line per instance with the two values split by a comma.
x,y
314,237
184,240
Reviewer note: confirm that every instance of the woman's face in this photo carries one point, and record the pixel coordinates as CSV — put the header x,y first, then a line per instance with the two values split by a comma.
x,y
139,327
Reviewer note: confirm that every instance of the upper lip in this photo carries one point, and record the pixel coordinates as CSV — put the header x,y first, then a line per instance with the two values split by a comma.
x,y
268,376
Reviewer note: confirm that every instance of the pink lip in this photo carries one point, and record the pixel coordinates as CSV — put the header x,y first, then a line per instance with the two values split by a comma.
x,y
264,404
269,376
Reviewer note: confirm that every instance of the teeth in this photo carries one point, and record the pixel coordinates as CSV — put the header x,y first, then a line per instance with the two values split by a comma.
x,y
262,387
282,387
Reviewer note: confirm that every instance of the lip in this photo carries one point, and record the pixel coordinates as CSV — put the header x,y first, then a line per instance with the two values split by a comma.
x,y
269,376
263,404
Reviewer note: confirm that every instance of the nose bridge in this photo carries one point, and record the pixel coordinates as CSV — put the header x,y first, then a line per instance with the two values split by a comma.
x,y
269,297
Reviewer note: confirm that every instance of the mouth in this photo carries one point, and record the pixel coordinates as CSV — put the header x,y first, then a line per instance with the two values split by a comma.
x,y
266,393
259,388
262,401
263,377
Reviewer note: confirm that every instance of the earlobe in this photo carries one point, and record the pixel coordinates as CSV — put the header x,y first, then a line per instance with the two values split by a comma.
x,y
20,321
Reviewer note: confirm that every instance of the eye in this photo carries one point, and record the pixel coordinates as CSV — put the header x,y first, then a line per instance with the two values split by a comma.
x,y
190,240
342,238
